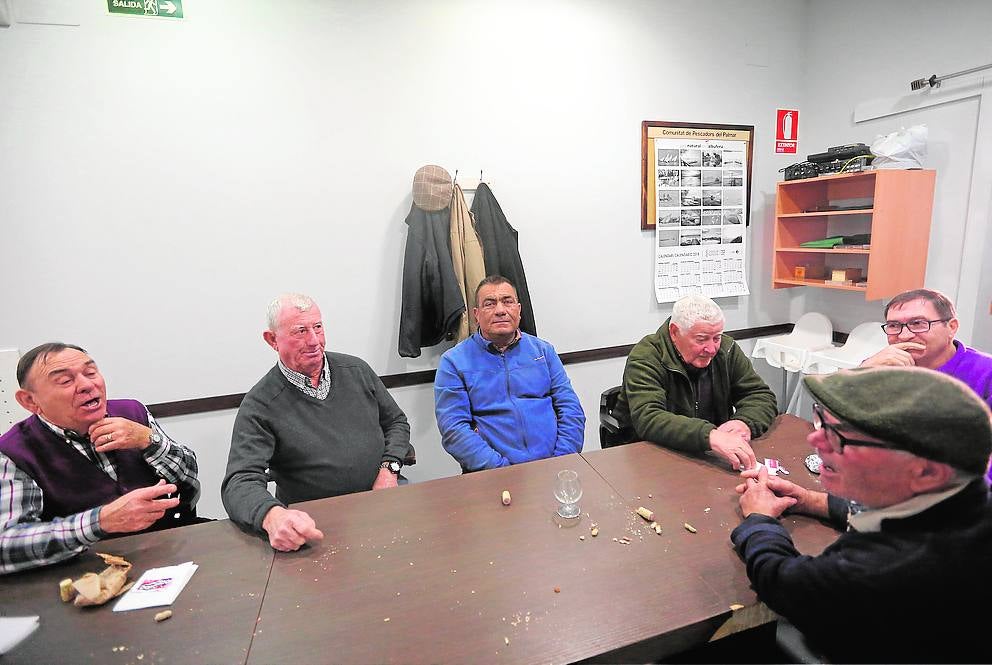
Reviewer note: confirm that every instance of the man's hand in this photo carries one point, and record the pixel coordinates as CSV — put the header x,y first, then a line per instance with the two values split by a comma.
x,y
732,448
386,478
289,529
758,497
138,509
895,355
803,500
737,427
119,434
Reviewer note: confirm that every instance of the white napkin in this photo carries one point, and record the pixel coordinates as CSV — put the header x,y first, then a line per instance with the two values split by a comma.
x,y
157,586
13,630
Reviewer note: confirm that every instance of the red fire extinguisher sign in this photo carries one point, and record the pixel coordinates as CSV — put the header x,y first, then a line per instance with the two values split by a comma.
x,y
786,131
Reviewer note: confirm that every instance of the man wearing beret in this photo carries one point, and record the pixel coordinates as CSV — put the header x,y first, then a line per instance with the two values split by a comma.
x,y
906,579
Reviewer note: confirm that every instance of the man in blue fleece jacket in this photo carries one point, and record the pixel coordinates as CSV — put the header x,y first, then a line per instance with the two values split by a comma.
x,y
502,396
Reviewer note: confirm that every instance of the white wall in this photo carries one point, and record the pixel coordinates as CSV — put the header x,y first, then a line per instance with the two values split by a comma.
x,y
861,57
161,181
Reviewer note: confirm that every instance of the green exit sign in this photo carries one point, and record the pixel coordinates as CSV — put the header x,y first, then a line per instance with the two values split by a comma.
x,y
155,8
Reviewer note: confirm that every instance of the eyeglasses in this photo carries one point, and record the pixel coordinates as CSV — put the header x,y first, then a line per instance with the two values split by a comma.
x,y
490,303
915,326
837,440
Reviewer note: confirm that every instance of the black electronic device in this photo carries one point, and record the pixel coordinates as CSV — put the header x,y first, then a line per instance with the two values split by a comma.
x,y
840,152
849,165
800,171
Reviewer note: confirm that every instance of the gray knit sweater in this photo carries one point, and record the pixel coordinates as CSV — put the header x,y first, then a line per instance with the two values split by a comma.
x,y
312,448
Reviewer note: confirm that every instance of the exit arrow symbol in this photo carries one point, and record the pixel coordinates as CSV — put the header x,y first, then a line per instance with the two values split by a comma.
x,y
168,6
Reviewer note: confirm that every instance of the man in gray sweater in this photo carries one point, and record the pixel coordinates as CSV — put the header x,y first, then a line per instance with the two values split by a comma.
x,y
319,424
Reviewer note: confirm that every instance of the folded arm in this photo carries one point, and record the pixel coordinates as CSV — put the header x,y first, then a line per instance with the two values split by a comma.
x,y
568,409
646,386
456,424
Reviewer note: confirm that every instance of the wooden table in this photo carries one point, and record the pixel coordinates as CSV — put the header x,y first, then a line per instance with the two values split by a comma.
x,y
702,575
441,571
212,619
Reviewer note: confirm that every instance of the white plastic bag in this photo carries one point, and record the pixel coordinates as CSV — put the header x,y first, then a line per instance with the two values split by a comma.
x,y
905,149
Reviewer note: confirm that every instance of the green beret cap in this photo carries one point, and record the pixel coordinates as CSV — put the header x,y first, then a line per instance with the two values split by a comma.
x,y
918,410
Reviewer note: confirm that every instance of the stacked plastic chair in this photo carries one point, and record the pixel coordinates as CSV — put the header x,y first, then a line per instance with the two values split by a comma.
x,y
865,340
812,332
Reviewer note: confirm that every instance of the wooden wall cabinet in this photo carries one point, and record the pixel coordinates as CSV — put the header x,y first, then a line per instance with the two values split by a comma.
x,y
895,207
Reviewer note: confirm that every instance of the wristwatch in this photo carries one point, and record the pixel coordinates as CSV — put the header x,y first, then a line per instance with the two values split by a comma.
x,y
393,467
154,438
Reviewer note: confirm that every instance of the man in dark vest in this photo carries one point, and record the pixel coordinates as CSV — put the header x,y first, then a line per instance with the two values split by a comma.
x,y
83,468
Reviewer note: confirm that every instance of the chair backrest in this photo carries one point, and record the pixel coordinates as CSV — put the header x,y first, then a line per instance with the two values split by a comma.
x,y
814,328
611,431
869,336
865,340
813,331
10,411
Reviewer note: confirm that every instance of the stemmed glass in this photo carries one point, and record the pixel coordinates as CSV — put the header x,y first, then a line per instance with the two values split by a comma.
x,y
568,491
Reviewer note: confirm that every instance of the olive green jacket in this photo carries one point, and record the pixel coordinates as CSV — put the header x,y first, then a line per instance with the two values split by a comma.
x,y
659,399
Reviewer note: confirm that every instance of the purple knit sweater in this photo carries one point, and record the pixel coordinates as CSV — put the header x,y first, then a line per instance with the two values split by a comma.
x,y
974,368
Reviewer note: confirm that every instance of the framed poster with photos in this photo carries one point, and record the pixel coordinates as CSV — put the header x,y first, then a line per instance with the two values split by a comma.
x,y
695,195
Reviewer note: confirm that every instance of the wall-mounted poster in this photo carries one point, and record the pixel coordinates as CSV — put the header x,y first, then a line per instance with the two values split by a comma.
x,y
696,189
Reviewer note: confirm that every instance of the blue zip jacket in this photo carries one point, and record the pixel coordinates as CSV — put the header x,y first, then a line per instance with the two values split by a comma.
x,y
495,409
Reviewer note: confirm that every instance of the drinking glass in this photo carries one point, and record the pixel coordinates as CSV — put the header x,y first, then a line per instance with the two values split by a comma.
x,y
568,491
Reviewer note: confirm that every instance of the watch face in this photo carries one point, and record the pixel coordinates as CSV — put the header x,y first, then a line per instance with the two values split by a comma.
x,y
155,437
394,467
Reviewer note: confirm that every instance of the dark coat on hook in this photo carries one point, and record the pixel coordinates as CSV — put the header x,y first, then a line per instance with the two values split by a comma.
x,y
432,302
501,255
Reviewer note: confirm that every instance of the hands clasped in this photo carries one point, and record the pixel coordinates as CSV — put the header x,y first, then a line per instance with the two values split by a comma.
x,y
769,495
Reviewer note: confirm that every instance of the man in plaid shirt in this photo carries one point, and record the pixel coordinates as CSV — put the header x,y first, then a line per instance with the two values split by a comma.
x,y
83,468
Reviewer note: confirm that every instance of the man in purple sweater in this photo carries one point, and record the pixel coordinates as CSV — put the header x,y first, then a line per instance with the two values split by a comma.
x,y
921,325
83,467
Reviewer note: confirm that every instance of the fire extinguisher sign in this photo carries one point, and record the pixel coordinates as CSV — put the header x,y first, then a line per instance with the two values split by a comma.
x,y
786,131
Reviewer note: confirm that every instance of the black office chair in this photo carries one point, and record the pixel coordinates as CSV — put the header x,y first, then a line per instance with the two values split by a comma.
x,y
611,431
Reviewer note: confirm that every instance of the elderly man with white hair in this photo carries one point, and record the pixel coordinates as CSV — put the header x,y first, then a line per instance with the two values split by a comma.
x,y
318,423
690,387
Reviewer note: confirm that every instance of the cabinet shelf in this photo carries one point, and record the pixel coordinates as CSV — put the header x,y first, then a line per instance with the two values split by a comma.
x,y
826,213
820,250
898,207
780,283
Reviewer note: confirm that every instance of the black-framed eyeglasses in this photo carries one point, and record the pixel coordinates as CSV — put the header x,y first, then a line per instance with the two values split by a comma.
x,y
837,440
915,326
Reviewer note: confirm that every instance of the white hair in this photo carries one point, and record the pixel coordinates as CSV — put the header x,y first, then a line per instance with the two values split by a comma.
x,y
297,300
693,308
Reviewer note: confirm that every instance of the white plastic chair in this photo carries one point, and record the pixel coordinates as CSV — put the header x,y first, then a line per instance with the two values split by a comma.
x,y
865,340
812,332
